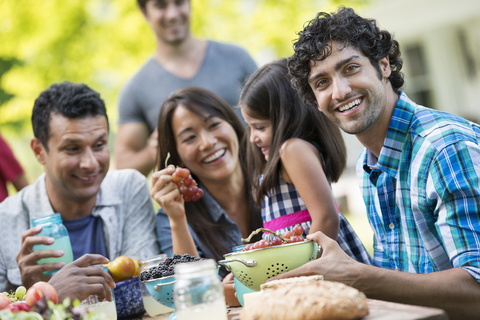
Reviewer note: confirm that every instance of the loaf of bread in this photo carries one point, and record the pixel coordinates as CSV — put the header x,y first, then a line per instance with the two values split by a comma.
x,y
278,283
306,300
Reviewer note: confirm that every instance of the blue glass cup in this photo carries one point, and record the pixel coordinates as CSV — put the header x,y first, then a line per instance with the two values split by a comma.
x,y
54,228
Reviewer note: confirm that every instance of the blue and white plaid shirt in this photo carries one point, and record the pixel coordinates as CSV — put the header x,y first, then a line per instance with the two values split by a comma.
x,y
423,193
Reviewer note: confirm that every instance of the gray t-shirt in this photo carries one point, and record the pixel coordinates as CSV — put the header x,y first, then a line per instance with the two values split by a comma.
x,y
223,71
123,204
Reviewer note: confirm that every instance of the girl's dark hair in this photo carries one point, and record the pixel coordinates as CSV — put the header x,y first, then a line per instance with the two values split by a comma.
x,y
269,95
347,28
203,103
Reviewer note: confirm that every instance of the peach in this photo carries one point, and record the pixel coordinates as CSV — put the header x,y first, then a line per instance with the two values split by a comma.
x,y
121,268
39,290
4,301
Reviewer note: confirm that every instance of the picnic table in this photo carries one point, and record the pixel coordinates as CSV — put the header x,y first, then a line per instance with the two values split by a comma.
x,y
378,310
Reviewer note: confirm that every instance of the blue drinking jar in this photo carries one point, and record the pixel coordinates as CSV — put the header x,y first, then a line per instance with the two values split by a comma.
x,y
54,228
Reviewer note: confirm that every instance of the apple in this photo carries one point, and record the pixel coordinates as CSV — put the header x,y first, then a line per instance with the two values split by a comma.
x,y
121,268
18,306
137,268
4,301
39,290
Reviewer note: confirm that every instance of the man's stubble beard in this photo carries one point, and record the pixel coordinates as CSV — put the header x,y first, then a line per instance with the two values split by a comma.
x,y
373,106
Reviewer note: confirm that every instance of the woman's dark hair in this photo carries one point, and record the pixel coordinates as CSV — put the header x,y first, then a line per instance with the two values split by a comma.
x,y
205,104
269,95
347,28
71,100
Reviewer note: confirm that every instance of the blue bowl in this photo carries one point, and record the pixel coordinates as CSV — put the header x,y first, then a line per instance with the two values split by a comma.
x,y
128,299
240,289
238,248
161,289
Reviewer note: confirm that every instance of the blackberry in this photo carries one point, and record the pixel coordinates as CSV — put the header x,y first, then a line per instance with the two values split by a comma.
x,y
145,275
166,268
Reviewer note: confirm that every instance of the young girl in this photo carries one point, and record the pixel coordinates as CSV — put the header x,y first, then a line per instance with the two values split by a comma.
x,y
294,154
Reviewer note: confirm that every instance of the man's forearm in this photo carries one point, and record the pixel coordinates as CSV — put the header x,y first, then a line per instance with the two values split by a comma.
x,y
454,290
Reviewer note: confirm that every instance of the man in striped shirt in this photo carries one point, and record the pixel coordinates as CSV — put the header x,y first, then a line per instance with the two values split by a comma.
x,y
419,171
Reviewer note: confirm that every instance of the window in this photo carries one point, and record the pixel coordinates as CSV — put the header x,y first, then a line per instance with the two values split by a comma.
x,y
417,84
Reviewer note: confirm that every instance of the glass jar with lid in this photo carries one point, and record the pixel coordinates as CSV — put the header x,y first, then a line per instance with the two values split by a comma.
x,y
152,306
197,292
53,227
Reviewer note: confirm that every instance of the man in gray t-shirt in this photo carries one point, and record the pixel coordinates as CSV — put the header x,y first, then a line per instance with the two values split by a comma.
x,y
179,61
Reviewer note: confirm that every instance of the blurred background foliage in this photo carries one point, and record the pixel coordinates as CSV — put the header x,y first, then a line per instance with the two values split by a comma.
x,y
103,42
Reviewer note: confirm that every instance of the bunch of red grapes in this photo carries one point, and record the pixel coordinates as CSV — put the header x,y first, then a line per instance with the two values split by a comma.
x,y
287,237
186,185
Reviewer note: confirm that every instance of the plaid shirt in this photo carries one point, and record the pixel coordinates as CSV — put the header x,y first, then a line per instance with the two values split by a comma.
x,y
423,194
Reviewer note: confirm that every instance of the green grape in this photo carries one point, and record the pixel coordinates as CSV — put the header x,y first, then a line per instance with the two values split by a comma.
x,y
20,292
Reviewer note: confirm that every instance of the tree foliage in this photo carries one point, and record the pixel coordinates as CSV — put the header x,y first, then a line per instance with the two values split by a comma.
x,y
102,42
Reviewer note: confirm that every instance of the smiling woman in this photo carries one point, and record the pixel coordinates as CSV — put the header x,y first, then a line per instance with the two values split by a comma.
x,y
202,133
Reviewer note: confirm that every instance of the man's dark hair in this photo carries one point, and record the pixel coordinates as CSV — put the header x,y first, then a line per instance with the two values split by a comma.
x,y
142,3
348,29
73,101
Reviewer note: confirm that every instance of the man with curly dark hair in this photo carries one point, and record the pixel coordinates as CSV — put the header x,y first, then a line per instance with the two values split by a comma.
x,y
419,171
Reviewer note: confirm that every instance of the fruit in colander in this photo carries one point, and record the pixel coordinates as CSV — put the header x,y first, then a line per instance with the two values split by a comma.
x,y
287,237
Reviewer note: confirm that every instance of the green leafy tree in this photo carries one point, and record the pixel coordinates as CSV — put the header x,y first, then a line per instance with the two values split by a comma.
x,y
103,42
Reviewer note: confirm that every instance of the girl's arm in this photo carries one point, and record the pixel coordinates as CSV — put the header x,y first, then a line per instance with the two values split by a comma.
x,y
166,193
302,167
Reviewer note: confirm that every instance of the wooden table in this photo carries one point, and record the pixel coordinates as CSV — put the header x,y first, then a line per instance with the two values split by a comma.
x,y
378,310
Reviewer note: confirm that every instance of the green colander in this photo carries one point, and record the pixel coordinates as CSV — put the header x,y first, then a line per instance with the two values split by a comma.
x,y
253,268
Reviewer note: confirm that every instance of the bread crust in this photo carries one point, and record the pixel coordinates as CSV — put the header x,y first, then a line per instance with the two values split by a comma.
x,y
278,283
311,300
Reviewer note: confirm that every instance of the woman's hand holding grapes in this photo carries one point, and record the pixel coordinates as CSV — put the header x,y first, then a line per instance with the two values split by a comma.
x,y
167,194
172,186
167,185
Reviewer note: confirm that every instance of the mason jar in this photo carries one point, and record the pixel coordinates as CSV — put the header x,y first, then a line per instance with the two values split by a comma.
x,y
197,292
54,228
152,306
103,309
